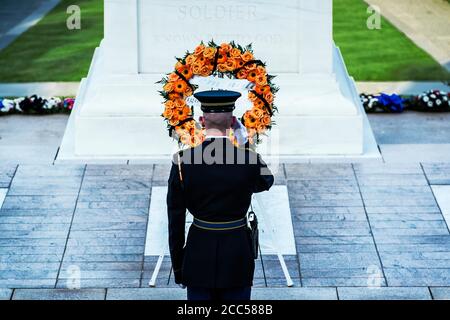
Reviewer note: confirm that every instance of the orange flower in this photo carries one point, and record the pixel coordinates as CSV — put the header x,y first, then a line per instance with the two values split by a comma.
x,y
170,104
199,50
180,86
261,70
168,87
250,120
269,97
196,68
235,53
266,120
179,103
251,76
242,74
258,103
247,56
190,59
188,92
168,112
205,71
226,47
173,121
178,65
183,113
261,80
201,60
190,125
262,90
209,52
186,72
222,57
173,96
260,128
239,63
252,97
173,77
251,66
222,67
231,64
259,113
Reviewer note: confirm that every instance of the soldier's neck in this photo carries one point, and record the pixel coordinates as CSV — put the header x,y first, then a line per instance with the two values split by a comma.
x,y
215,133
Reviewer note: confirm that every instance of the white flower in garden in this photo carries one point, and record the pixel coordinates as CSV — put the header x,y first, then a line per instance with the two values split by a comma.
x,y
433,96
430,104
426,99
438,102
8,105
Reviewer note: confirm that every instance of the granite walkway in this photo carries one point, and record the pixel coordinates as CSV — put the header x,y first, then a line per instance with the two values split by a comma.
x,y
362,231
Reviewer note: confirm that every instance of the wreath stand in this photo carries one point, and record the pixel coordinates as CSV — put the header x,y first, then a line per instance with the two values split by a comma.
x,y
270,244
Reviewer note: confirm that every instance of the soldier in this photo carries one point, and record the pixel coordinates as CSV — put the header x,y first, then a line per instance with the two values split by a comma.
x,y
215,182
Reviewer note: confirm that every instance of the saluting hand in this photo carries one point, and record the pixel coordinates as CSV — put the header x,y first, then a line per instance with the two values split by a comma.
x,y
240,132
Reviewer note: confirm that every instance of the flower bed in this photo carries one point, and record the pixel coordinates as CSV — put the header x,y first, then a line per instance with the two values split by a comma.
x,y
36,105
431,101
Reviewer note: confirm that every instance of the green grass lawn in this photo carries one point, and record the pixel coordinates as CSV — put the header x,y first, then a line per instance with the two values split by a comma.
x,y
51,52
379,55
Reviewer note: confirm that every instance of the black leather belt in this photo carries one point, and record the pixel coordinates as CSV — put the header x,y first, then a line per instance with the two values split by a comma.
x,y
220,226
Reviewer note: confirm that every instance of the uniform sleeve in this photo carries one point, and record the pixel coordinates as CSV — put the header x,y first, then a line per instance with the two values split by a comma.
x,y
176,210
264,177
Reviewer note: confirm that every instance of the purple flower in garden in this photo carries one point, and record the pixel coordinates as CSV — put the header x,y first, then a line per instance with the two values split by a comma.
x,y
68,103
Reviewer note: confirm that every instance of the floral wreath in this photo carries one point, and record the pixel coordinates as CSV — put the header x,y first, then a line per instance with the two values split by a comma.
x,y
227,60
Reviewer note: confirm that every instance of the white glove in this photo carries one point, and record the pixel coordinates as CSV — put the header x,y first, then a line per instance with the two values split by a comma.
x,y
240,132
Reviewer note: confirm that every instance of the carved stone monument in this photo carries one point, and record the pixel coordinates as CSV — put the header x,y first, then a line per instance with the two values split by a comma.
x,y
118,108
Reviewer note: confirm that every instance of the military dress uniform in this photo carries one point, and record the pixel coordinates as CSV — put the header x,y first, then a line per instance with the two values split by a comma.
x,y
215,182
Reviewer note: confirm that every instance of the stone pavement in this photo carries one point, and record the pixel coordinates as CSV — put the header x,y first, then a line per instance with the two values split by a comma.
x,y
362,231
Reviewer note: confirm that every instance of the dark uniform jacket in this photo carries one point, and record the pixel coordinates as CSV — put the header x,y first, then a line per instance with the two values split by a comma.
x,y
218,182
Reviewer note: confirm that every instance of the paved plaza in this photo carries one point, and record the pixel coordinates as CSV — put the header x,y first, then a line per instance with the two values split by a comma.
x,y
365,231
